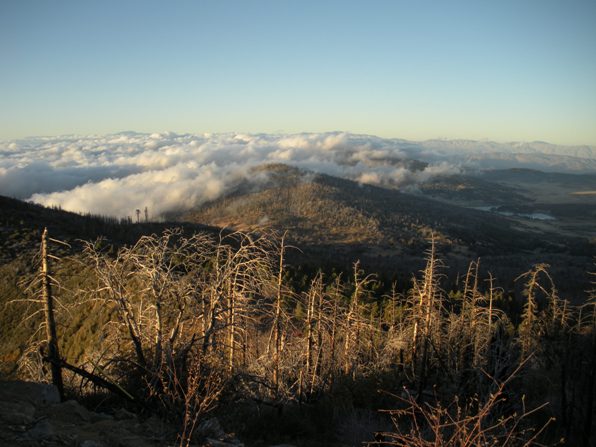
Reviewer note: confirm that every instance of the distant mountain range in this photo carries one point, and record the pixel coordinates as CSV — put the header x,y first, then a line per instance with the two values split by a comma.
x,y
492,155
491,147
115,174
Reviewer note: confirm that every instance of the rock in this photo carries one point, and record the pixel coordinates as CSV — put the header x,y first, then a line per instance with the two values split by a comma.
x,y
92,443
106,426
71,412
113,433
17,413
154,426
209,442
122,414
31,415
210,428
42,431
96,417
37,394
130,441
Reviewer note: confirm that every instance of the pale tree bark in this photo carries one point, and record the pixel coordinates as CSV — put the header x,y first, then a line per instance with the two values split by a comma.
x,y
277,329
50,322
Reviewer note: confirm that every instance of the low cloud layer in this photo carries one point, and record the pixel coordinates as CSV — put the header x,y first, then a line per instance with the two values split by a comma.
x,y
116,174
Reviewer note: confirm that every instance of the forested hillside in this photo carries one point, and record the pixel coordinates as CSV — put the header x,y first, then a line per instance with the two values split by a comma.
x,y
336,221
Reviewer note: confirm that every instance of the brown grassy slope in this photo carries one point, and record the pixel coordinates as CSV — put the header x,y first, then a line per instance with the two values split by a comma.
x,y
327,210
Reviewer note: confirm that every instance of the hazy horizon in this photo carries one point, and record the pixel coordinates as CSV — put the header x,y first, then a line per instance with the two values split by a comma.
x,y
505,71
169,171
306,132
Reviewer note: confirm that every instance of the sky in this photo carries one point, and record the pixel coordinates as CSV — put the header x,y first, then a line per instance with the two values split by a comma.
x,y
520,70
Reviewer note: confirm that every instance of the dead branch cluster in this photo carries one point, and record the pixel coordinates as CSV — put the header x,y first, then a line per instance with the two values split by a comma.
x,y
195,317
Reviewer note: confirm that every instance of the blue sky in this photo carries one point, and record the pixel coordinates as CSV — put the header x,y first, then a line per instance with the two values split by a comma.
x,y
502,70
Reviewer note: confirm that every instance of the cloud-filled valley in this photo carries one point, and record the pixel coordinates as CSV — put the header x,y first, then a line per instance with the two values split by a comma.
x,y
116,174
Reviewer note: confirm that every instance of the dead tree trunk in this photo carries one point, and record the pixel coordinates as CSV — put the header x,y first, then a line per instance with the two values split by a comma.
x,y
48,299
428,295
231,325
309,328
277,323
333,335
319,343
591,388
352,332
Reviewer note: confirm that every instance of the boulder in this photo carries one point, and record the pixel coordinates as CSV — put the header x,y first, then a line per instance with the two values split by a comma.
x,y
42,431
211,428
217,443
37,394
92,443
70,412
122,414
17,413
96,417
31,415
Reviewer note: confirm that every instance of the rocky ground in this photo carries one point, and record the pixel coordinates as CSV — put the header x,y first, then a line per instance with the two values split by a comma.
x,y
32,415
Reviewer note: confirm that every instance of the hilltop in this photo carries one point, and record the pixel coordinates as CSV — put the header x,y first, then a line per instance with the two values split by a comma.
x,y
335,220
321,209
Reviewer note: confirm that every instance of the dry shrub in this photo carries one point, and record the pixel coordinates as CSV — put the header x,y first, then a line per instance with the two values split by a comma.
x,y
490,421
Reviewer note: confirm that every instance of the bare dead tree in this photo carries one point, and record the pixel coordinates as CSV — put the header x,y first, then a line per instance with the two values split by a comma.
x,y
318,357
591,382
193,314
277,326
353,320
529,329
470,423
50,322
312,339
336,294
427,314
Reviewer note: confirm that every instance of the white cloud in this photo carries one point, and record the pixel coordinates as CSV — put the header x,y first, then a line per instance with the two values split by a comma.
x,y
116,174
